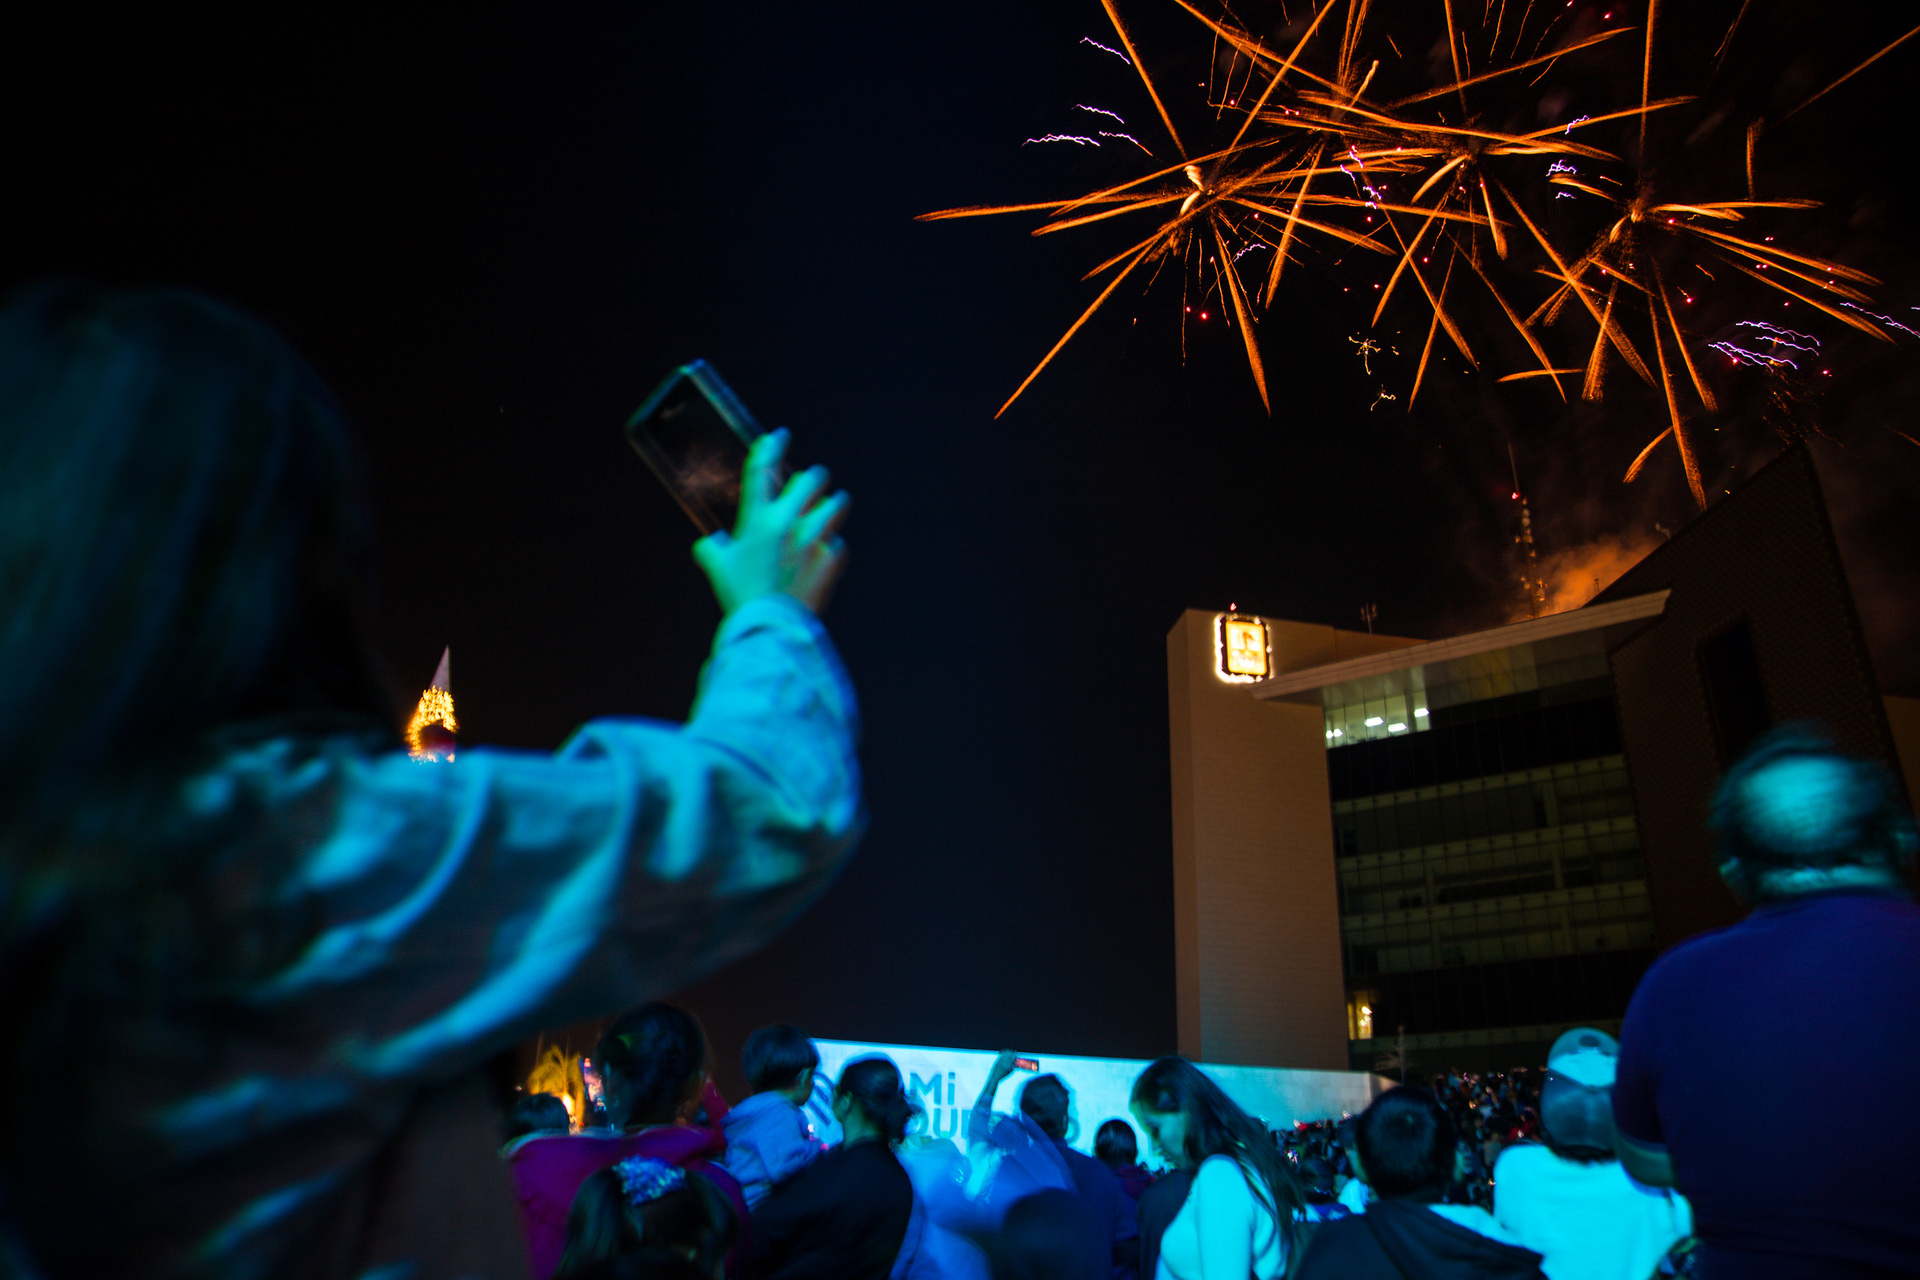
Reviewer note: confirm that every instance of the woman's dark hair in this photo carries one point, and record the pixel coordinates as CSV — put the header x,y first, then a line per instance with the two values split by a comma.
x,y
651,1059
537,1113
1406,1144
1795,801
1216,1126
773,1056
1115,1146
608,1235
185,547
874,1086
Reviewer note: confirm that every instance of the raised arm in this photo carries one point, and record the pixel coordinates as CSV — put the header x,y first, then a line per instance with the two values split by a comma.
x,y
461,906
980,1119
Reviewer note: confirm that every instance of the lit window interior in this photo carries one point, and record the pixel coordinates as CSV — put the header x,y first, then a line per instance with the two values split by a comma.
x,y
1400,702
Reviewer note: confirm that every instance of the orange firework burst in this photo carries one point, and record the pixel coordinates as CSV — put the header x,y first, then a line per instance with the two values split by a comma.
x,y
1269,186
1314,142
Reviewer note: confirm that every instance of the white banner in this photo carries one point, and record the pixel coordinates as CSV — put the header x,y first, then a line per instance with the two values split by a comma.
x,y
945,1082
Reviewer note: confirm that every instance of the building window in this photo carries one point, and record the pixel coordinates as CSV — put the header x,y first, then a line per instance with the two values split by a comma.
x,y
1736,695
1360,1016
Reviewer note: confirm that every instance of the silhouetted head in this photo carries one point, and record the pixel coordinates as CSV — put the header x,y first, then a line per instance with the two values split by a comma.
x,y
1045,1101
871,1088
537,1113
774,1057
1795,816
184,546
1115,1146
1576,1100
644,1217
653,1062
1406,1145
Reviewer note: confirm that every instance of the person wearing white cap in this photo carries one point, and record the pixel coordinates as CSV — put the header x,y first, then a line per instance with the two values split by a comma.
x,y
1570,1201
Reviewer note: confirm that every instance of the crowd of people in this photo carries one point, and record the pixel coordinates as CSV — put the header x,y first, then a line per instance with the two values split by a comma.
x,y
1489,1113
278,962
1506,1175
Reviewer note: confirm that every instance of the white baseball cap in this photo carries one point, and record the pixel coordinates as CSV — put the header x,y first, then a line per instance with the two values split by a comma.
x,y
1585,1056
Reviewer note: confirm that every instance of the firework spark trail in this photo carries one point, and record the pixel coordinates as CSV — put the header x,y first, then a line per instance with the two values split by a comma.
x,y
1850,75
1099,111
1741,355
1063,137
1102,48
1129,137
1781,337
1888,321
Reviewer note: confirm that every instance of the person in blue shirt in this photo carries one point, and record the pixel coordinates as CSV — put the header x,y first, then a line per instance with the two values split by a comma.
x,y
768,1137
1737,1042
268,955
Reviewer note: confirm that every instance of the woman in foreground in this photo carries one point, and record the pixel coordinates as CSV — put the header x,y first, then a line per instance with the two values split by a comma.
x,y
265,954
1240,1217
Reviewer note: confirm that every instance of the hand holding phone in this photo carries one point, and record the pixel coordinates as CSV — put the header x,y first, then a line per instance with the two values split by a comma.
x,y
786,539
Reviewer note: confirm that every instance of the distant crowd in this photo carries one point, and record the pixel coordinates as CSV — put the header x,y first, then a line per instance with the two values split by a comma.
x,y
661,1178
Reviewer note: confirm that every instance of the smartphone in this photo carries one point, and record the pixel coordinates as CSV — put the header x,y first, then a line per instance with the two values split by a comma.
x,y
1026,1064
694,432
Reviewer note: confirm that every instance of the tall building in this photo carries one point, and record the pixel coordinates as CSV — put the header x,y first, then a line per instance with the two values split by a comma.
x,y
1449,852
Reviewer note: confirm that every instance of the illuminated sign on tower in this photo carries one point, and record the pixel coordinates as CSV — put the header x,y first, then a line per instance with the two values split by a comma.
x,y
1244,648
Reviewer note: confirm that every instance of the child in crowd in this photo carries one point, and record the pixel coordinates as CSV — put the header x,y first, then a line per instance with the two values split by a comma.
x,y
768,1138
1116,1147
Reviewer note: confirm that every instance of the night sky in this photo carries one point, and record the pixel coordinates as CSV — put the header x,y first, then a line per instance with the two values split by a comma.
x,y
494,229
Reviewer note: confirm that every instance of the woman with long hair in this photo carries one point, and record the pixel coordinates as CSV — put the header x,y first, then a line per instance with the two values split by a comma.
x,y
1240,1218
267,955
653,1065
846,1214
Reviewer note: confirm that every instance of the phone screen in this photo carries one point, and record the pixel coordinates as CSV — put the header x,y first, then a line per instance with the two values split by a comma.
x,y
694,432
1026,1064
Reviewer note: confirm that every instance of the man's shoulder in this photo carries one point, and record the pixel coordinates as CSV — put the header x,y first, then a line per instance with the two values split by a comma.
x,y
1523,1159
1345,1249
1714,951
1082,1161
1724,951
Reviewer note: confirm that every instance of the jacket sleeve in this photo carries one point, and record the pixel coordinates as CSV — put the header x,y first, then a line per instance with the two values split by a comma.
x,y
460,906
793,1150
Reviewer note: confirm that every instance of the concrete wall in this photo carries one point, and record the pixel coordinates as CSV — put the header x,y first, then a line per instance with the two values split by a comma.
x,y
1903,720
1764,555
1256,909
